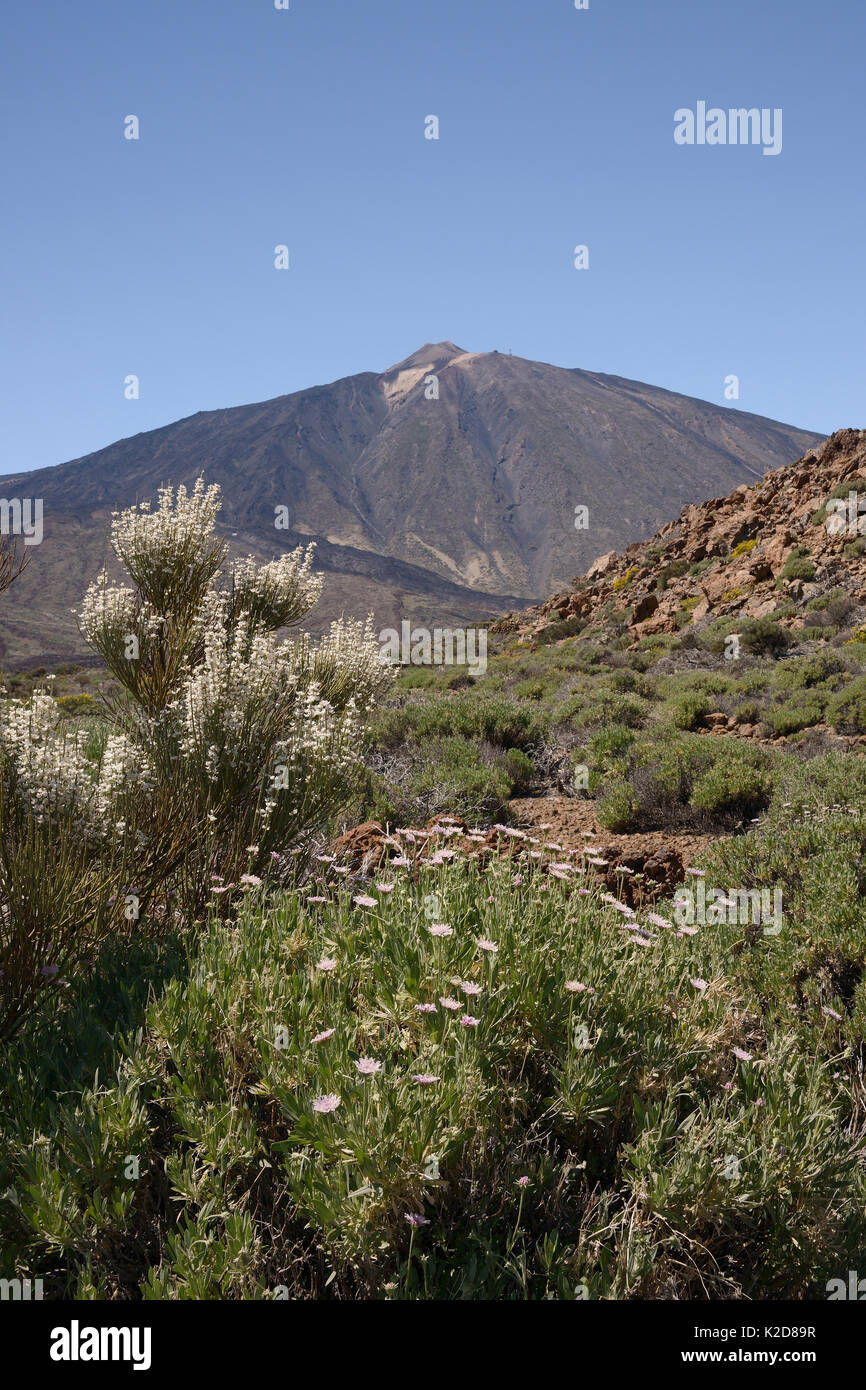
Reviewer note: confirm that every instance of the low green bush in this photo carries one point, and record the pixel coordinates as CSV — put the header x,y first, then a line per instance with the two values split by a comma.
x,y
846,711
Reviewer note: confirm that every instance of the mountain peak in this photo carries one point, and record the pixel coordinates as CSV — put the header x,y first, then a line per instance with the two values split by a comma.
x,y
431,355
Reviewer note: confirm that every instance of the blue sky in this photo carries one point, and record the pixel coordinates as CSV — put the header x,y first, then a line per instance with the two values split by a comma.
x,y
306,128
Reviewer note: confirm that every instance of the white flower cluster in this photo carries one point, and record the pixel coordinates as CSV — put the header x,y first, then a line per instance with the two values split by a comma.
x,y
346,663
160,547
110,614
52,775
123,770
279,592
177,521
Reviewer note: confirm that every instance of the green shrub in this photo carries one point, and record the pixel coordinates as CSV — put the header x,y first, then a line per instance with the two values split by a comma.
x,y
764,635
688,711
846,711
798,567
617,809
731,787
800,712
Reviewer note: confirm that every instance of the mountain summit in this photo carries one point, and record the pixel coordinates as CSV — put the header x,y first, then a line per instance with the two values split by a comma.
x,y
445,489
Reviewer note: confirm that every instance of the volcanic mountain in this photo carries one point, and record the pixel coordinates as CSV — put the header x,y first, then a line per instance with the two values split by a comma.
x,y
444,490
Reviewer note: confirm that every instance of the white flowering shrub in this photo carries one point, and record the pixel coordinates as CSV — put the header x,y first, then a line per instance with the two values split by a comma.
x,y
229,747
254,736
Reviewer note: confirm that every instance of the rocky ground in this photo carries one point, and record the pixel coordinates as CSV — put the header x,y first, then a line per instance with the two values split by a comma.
x,y
728,557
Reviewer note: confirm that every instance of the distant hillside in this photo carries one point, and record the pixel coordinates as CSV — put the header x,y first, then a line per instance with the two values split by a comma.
x,y
764,552
440,510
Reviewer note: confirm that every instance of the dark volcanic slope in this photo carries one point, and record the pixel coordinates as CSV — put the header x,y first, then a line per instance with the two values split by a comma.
x,y
438,510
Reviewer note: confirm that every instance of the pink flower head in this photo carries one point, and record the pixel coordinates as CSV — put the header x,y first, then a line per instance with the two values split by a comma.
x,y
468,1021
440,929
658,921
469,988
324,1035
361,900
425,1078
484,945
523,1182
448,1003
368,1066
415,1219
698,983
326,963
324,1105
425,1008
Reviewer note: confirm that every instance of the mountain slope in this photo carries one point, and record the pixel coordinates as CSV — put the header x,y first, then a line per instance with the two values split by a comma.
x,y
786,550
440,509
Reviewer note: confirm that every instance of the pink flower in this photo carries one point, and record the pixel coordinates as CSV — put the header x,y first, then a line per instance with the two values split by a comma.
x,y
658,921
468,1021
424,1078
469,988
575,987
324,1105
831,1013
484,945
324,1035
425,1008
252,879
367,1066
448,1003
326,963
415,1219
523,1182
440,929
697,873
317,900
698,983
385,887
742,1056
362,901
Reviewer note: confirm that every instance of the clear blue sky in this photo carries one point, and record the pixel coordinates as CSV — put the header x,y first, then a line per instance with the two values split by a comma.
x,y
306,127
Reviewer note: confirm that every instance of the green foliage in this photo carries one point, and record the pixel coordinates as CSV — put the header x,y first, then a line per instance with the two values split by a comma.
x,y
688,711
627,1095
800,712
846,711
617,809
798,566
499,720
